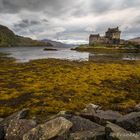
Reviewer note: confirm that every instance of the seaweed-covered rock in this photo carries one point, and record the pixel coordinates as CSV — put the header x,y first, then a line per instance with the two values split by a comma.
x,y
50,129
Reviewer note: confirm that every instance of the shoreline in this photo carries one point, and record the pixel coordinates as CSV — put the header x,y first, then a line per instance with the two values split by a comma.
x,y
106,49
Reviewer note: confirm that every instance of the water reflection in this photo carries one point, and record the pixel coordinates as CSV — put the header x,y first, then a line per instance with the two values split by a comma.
x,y
115,56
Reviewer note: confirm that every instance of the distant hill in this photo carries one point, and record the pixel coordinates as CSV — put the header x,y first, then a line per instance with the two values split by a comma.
x,y
9,38
57,44
135,40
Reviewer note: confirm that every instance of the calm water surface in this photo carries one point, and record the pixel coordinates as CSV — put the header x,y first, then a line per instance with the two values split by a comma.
x,y
25,54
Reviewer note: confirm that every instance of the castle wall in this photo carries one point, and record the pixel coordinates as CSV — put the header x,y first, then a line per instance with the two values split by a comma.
x,y
94,39
99,40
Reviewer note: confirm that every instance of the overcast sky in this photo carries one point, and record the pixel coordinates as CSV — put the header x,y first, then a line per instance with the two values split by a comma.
x,y
70,20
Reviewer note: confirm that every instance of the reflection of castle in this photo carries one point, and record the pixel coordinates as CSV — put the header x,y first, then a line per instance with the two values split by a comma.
x,y
112,37
114,56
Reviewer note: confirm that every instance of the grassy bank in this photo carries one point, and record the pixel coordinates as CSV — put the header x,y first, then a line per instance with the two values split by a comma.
x,y
102,49
48,86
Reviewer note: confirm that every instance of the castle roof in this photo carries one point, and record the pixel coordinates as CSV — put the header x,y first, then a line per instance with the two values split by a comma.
x,y
94,35
112,30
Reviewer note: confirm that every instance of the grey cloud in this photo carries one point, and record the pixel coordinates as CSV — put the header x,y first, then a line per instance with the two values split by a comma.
x,y
58,7
45,20
131,3
26,23
62,7
42,17
100,6
137,20
50,6
104,6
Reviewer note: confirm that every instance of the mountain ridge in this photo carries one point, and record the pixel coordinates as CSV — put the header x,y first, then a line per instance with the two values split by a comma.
x,y
135,40
57,43
8,38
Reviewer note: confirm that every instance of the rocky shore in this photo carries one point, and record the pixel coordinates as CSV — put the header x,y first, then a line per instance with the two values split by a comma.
x,y
92,123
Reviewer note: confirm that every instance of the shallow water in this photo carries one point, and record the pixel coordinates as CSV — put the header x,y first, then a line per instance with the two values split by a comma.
x,y
115,56
25,54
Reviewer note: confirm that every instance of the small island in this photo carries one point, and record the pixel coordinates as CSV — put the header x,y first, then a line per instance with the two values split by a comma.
x,y
50,49
111,42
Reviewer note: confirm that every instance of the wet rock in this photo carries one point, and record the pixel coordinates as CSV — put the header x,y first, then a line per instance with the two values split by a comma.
x,y
115,132
17,128
90,109
102,116
130,121
65,114
18,115
65,136
50,129
129,110
15,116
82,124
95,134
62,113
83,129
93,106
1,119
2,134
137,107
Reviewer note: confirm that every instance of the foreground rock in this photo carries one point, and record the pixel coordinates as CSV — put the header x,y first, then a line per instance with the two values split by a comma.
x,y
83,129
137,107
51,129
1,119
2,134
82,124
102,117
18,115
95,134
91,124
91,109
17,128
4,124
130,121
114,132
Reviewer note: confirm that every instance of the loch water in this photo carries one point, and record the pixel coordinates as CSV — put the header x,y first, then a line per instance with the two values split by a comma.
x,y
25,54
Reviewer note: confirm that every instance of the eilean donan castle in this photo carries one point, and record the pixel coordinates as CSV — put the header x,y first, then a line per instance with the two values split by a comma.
x,y
112,37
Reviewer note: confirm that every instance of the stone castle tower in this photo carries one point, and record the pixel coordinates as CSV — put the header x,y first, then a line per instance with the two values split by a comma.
x,y
112,37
